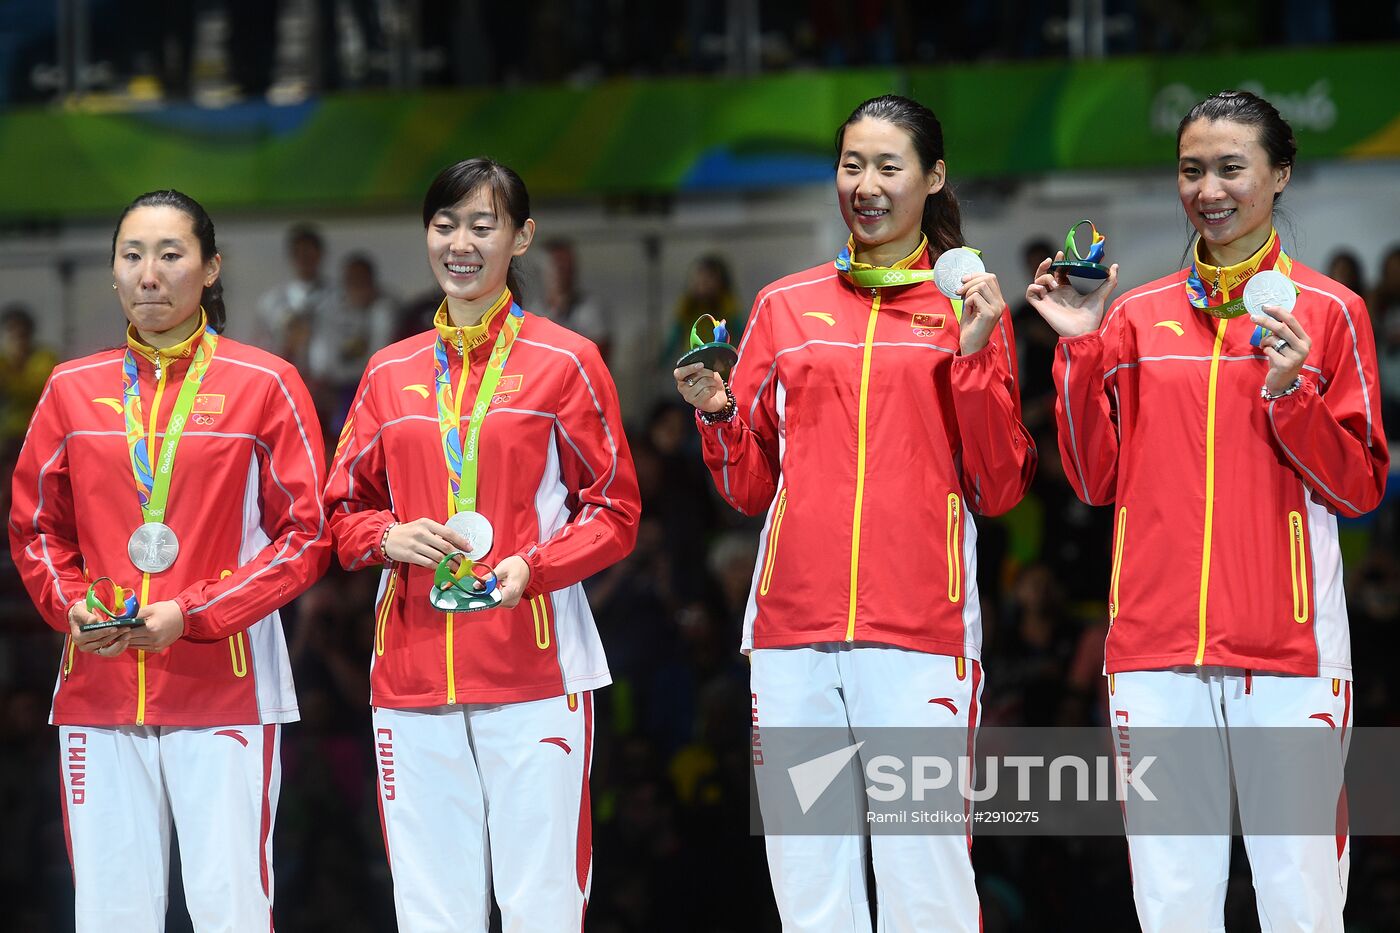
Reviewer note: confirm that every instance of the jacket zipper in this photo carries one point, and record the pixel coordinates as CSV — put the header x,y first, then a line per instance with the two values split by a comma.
x,y
955,562
1298,567
451,633
1210,489
768,559
540,614
860,459
146,577
1118,535
238,654
385,606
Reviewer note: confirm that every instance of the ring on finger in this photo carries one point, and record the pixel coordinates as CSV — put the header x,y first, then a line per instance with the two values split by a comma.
x,y
1280,345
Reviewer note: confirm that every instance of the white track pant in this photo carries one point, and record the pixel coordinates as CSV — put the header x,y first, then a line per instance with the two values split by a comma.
x,y
924,882
480,796
1179,881
121,788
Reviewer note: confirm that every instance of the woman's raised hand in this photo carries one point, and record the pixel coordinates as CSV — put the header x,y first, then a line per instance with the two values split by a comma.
x,y
1064,309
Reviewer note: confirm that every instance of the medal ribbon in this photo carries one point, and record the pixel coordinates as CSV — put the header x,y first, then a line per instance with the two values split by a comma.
x,y
1224,296
462,457
866,276
153,487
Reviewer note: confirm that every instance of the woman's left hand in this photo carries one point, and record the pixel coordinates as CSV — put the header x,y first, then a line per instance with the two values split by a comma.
x,y
512,576
1285,345
982,308
165,624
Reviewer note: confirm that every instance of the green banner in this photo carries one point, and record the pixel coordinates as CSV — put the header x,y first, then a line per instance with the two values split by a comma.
x,y
381,149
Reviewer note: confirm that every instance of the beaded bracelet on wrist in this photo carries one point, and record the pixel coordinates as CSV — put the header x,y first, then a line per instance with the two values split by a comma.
x,y
1268,396
384,542
724,414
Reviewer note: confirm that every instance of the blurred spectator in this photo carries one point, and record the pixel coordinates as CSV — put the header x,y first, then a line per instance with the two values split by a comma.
x,y
1385,311
708,290
1346,268
1073,540
1386,296
24,368
358,320
1035,344
289,314
848,36
149,46
331,48
565,303
731,560
468,43
681,497
252,45
1034,645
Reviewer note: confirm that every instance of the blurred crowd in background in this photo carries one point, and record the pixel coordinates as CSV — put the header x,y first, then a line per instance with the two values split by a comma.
x,y
180,49
671,774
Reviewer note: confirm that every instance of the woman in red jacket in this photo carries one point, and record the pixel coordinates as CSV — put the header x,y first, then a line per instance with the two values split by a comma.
x,y
179,715
870,420
496,434
1228,439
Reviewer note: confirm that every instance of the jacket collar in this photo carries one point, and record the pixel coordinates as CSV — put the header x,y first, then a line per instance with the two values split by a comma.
x,y
846,263
182,349
473,335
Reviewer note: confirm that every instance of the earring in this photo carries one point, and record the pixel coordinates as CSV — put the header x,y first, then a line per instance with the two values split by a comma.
x,y
114,286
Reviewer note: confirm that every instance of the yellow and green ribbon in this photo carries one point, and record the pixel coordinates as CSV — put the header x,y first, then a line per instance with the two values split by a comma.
x,y
153,485
1224,297
866,276
462,454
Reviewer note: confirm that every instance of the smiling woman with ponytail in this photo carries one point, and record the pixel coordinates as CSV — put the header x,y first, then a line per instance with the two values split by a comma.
x,y
1228,444
870,424
518,460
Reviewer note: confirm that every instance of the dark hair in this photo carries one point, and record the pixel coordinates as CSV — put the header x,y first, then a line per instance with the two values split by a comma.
x,y
942,221
305,233
1349,259
717,267
1039,247
1247,109
509,196
1275,135
212,299
17,312
362,260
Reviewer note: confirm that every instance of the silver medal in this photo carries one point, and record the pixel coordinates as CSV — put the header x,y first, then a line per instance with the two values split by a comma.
x,y
153,547
475,528
950,268
1271,288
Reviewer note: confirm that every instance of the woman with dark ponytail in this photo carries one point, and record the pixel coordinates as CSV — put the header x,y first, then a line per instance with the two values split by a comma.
x,y
166,575
1228,425
495,436
869,415
211,297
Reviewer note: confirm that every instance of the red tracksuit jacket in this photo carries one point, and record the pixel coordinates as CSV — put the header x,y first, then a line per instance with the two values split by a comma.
x,y
869,441
556,481
1225,548
244,502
